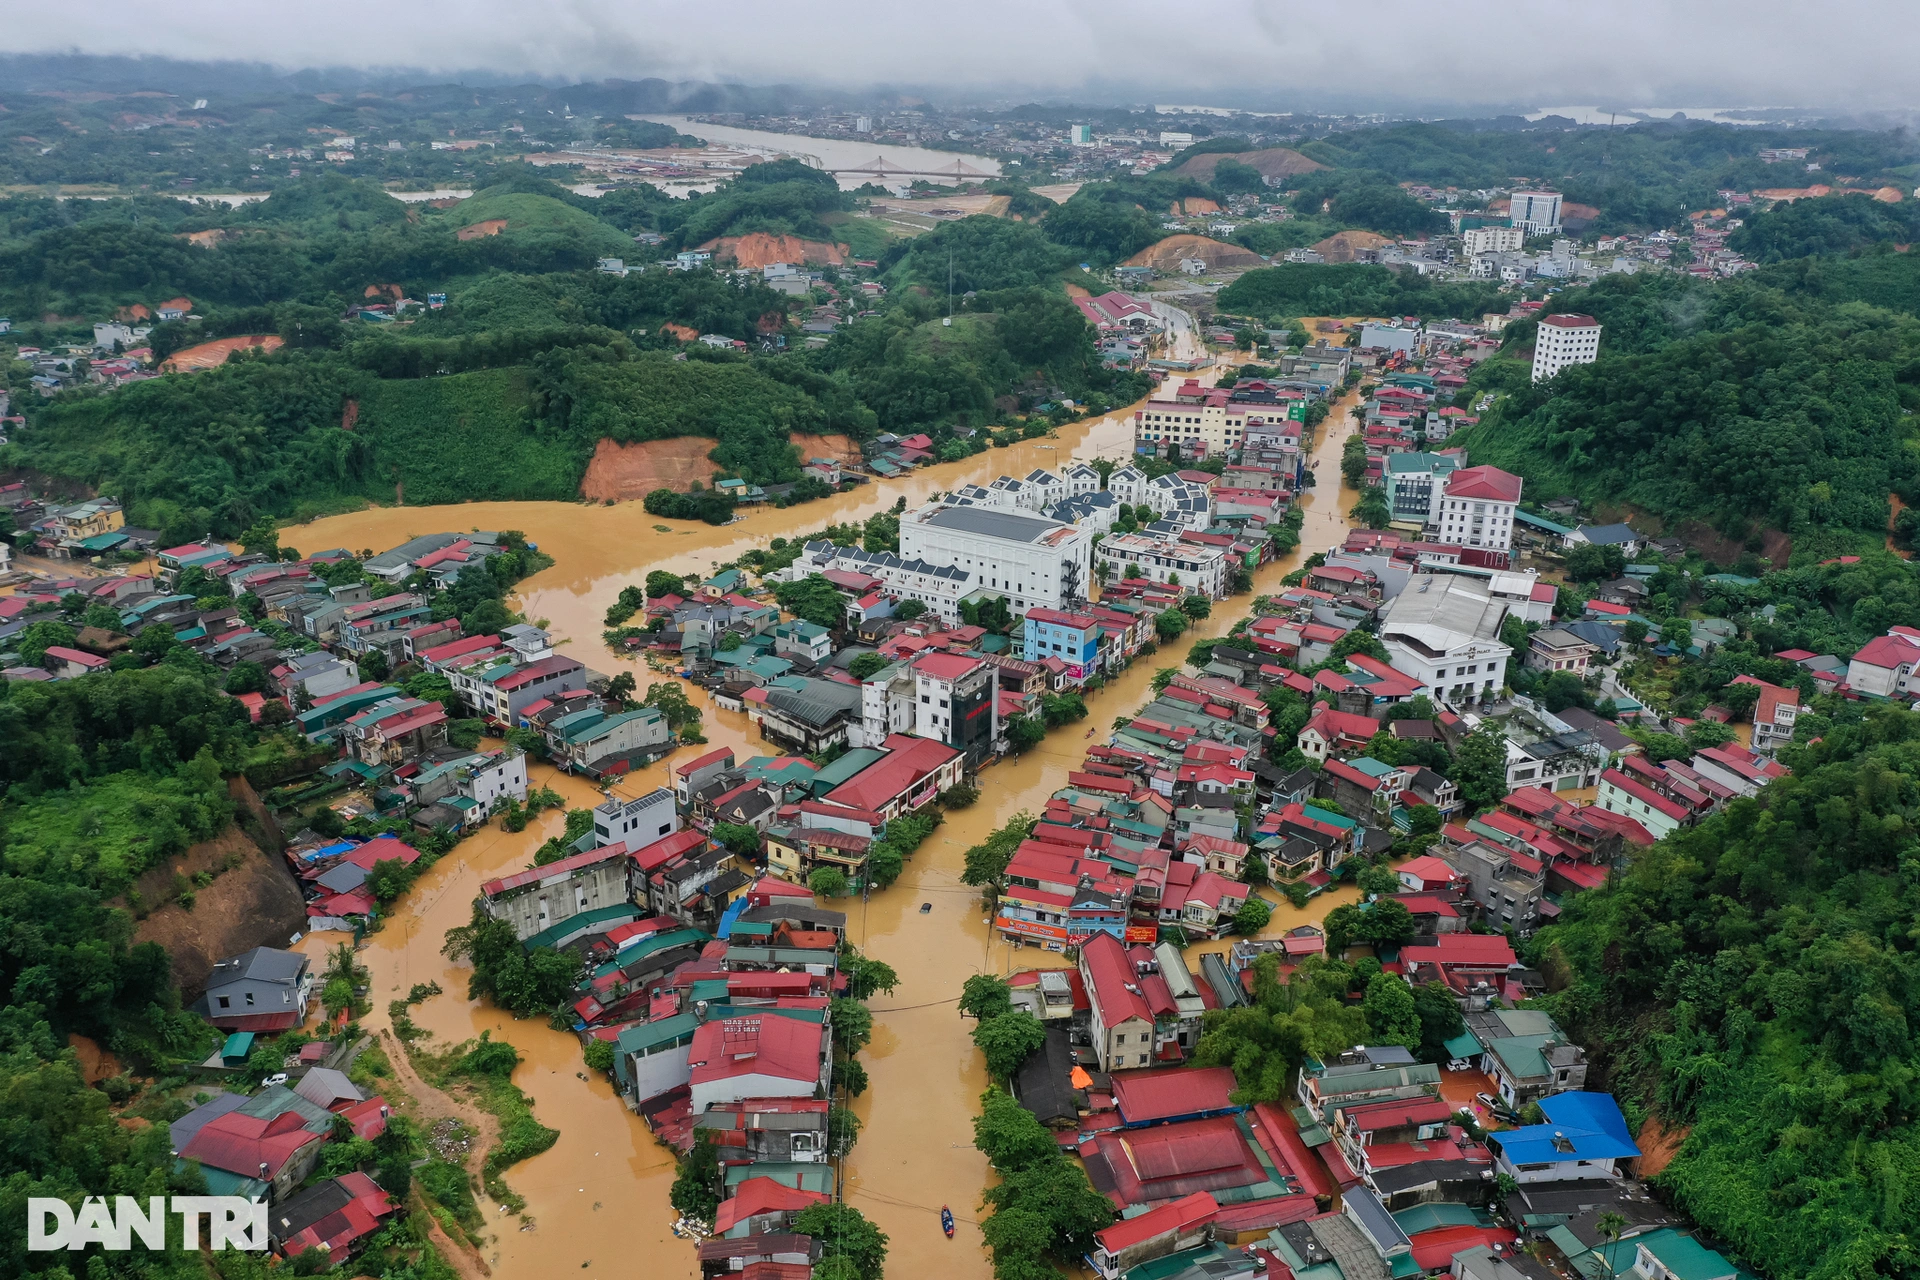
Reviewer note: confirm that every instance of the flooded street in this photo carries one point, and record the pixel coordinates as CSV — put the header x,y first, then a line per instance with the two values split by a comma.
x,y
598,1199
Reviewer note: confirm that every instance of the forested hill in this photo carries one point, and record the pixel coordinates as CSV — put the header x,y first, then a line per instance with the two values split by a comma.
x,y
1753,983
1776,401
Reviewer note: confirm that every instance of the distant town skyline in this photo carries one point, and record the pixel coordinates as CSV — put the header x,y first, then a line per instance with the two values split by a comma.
x,y
1392,56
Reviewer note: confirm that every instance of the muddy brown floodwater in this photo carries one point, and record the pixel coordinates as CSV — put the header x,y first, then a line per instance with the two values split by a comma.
x,y
597,1202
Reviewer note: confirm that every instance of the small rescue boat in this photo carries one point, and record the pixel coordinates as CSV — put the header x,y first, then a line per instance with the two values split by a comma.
x,y
946,1221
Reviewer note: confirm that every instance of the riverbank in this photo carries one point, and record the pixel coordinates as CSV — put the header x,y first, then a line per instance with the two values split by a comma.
x,y
599,1196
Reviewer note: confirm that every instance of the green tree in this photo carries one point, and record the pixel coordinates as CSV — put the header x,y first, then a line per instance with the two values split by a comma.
x,y
1008,1040
1196,607
1169,623
671,699
1265,1042
1024,733
1480,767
843,1130
262,537
388,878
984,996
661,583
814,599
1386,924
1372,510
866,666
1391,1016
518,980
696,1188
844,1232
1252,916
737,838
1588,563
1008,1135
867,977
1440,1020
827,882
985,863
852,1024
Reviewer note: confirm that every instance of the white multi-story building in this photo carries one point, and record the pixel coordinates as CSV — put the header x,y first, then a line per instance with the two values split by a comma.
x,y
1390,337
1563,340
1536,212
1082,479
1476,508
1036,491
1192,565
1028,559
1480,240
1186,503
1444,631
956,702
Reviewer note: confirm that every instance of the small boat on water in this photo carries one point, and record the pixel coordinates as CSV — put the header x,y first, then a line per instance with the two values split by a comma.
x,y
946,1221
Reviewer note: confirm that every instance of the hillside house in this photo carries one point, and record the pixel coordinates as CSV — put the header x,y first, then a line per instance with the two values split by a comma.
x,y
264,989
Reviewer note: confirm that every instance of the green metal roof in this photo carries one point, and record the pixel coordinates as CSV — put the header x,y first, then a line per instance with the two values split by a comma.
x,y
1462,1046
1427,1217
596,921
238,1045
1522,1055
802,1177
658,1034
1541,523
832,775
1682,1255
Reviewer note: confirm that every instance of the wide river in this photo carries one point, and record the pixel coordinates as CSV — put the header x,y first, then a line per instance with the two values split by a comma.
x,y
597,1202
837,153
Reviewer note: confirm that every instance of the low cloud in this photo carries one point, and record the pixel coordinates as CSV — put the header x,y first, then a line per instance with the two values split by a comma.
x,y
1252,53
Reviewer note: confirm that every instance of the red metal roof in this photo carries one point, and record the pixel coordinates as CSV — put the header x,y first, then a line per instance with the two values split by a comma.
x,y
254,1021
701,762
1398,1114
1176,1216
1647,795
534,670
1163,1093
1570,320
1467,950
1113,990
565,866
762,1195
457,648
908,761
766,1045
241,1144
1490,483
653,857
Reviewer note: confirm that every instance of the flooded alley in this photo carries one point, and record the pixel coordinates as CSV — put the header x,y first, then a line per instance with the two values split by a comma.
x,y
597,1201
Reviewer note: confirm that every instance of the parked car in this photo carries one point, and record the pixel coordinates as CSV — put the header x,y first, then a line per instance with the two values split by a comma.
x,y
278,1077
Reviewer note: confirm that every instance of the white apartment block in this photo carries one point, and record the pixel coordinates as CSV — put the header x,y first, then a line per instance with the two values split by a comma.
x,y
1192,565
1476,508
1200,421
1032,561
1563,340
1480,240
1536,212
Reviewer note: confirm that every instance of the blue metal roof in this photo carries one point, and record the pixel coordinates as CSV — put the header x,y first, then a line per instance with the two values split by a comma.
x,y
1580,1126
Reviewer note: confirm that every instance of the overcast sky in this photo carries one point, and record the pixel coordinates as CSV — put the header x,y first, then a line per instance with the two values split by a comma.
x,y
1542,53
